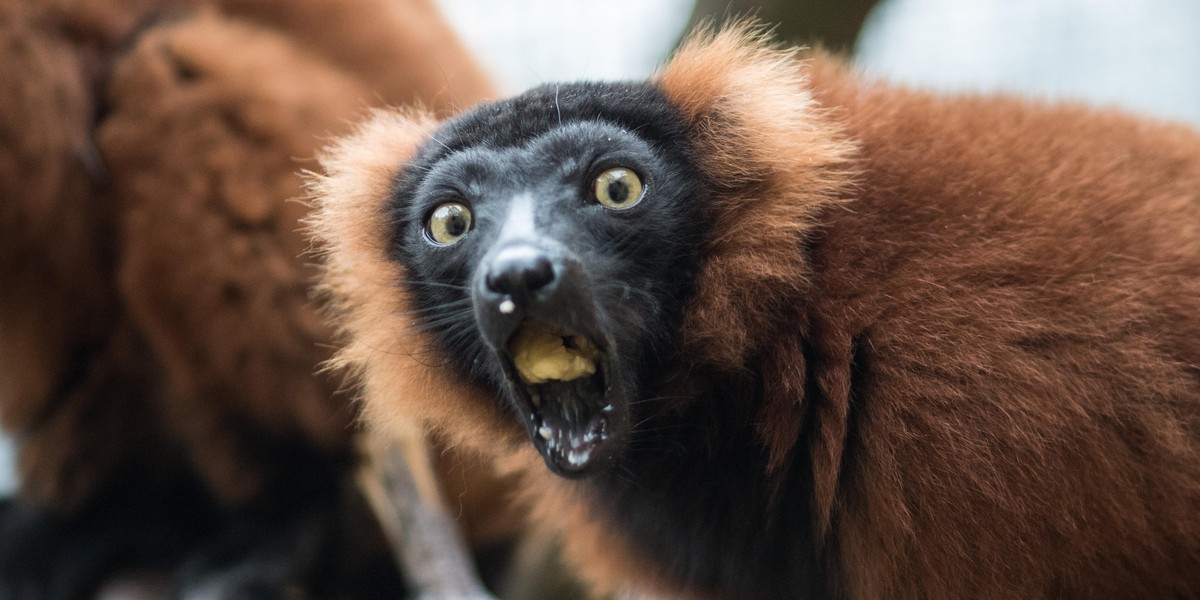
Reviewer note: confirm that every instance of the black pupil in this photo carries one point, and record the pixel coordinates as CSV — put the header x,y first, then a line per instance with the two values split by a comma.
x,y
618,192
456,223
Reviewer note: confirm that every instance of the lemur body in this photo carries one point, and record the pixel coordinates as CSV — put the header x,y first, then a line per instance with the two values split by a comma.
x,y
838,338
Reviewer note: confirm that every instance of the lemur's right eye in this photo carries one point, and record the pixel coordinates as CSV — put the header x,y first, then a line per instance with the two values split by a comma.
x,y
448,223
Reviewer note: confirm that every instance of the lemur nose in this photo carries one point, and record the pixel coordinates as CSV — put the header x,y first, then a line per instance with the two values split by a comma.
x,y
519,269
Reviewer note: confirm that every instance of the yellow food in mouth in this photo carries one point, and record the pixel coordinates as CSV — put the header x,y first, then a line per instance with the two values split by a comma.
x,y
542,354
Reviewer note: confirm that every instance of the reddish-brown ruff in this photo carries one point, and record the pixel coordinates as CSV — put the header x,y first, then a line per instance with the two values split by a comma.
x,y
976,319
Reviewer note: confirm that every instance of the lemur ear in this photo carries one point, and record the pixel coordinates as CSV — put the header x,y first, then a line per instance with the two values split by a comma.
x,y
350,198
774,159
351,231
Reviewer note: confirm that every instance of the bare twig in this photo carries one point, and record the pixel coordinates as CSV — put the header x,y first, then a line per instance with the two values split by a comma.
x,y
399,481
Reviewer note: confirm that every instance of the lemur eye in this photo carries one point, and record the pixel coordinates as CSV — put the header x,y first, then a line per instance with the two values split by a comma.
x,y
448,223
618,188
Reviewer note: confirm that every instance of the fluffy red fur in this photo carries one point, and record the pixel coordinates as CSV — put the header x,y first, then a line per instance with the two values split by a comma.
x,y
1017,288
984,312
153,292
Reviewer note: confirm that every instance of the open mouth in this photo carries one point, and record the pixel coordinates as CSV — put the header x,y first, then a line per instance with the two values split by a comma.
x,y
562,378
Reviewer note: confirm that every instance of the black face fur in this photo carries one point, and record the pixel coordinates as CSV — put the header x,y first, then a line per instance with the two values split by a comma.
x,y
542,249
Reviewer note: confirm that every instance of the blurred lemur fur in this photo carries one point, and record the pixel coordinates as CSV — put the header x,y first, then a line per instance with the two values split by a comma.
x,y
819,336
158,345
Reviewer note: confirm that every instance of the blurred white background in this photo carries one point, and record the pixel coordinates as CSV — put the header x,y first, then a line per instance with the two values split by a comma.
x,y
1142,55
529,42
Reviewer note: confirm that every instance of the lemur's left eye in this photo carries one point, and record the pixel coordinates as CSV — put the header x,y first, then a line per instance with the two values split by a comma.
x,y
618,188
448,223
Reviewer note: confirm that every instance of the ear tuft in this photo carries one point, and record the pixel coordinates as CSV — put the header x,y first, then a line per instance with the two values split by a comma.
x,y
774,159
350,229
348,221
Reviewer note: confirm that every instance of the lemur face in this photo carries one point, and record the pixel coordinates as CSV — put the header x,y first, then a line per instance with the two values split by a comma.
x,y
550,242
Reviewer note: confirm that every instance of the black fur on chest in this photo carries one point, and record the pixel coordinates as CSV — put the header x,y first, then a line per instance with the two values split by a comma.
x,y
692,495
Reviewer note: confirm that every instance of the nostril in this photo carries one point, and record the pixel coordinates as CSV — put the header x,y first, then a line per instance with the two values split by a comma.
x,y
519,269
539,274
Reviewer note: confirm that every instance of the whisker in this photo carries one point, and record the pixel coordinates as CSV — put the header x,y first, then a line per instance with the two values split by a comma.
x,y
627,290
453,286
655,399
442,312
643,422
446,87
625,474
455,323
660,429
628,234
441,143
556,108
455,303
420,168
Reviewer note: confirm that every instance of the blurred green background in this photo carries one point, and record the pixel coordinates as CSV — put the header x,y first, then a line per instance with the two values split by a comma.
x,y
832,24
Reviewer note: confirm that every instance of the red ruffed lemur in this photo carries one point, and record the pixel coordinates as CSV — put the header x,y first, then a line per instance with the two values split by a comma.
x,y
760,328
158,342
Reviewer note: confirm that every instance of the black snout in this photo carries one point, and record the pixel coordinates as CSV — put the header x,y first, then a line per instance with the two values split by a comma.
x,y
519,270
522,281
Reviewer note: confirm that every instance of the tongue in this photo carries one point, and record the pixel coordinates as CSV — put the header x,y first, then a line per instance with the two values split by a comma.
x,y
568,405
572,421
